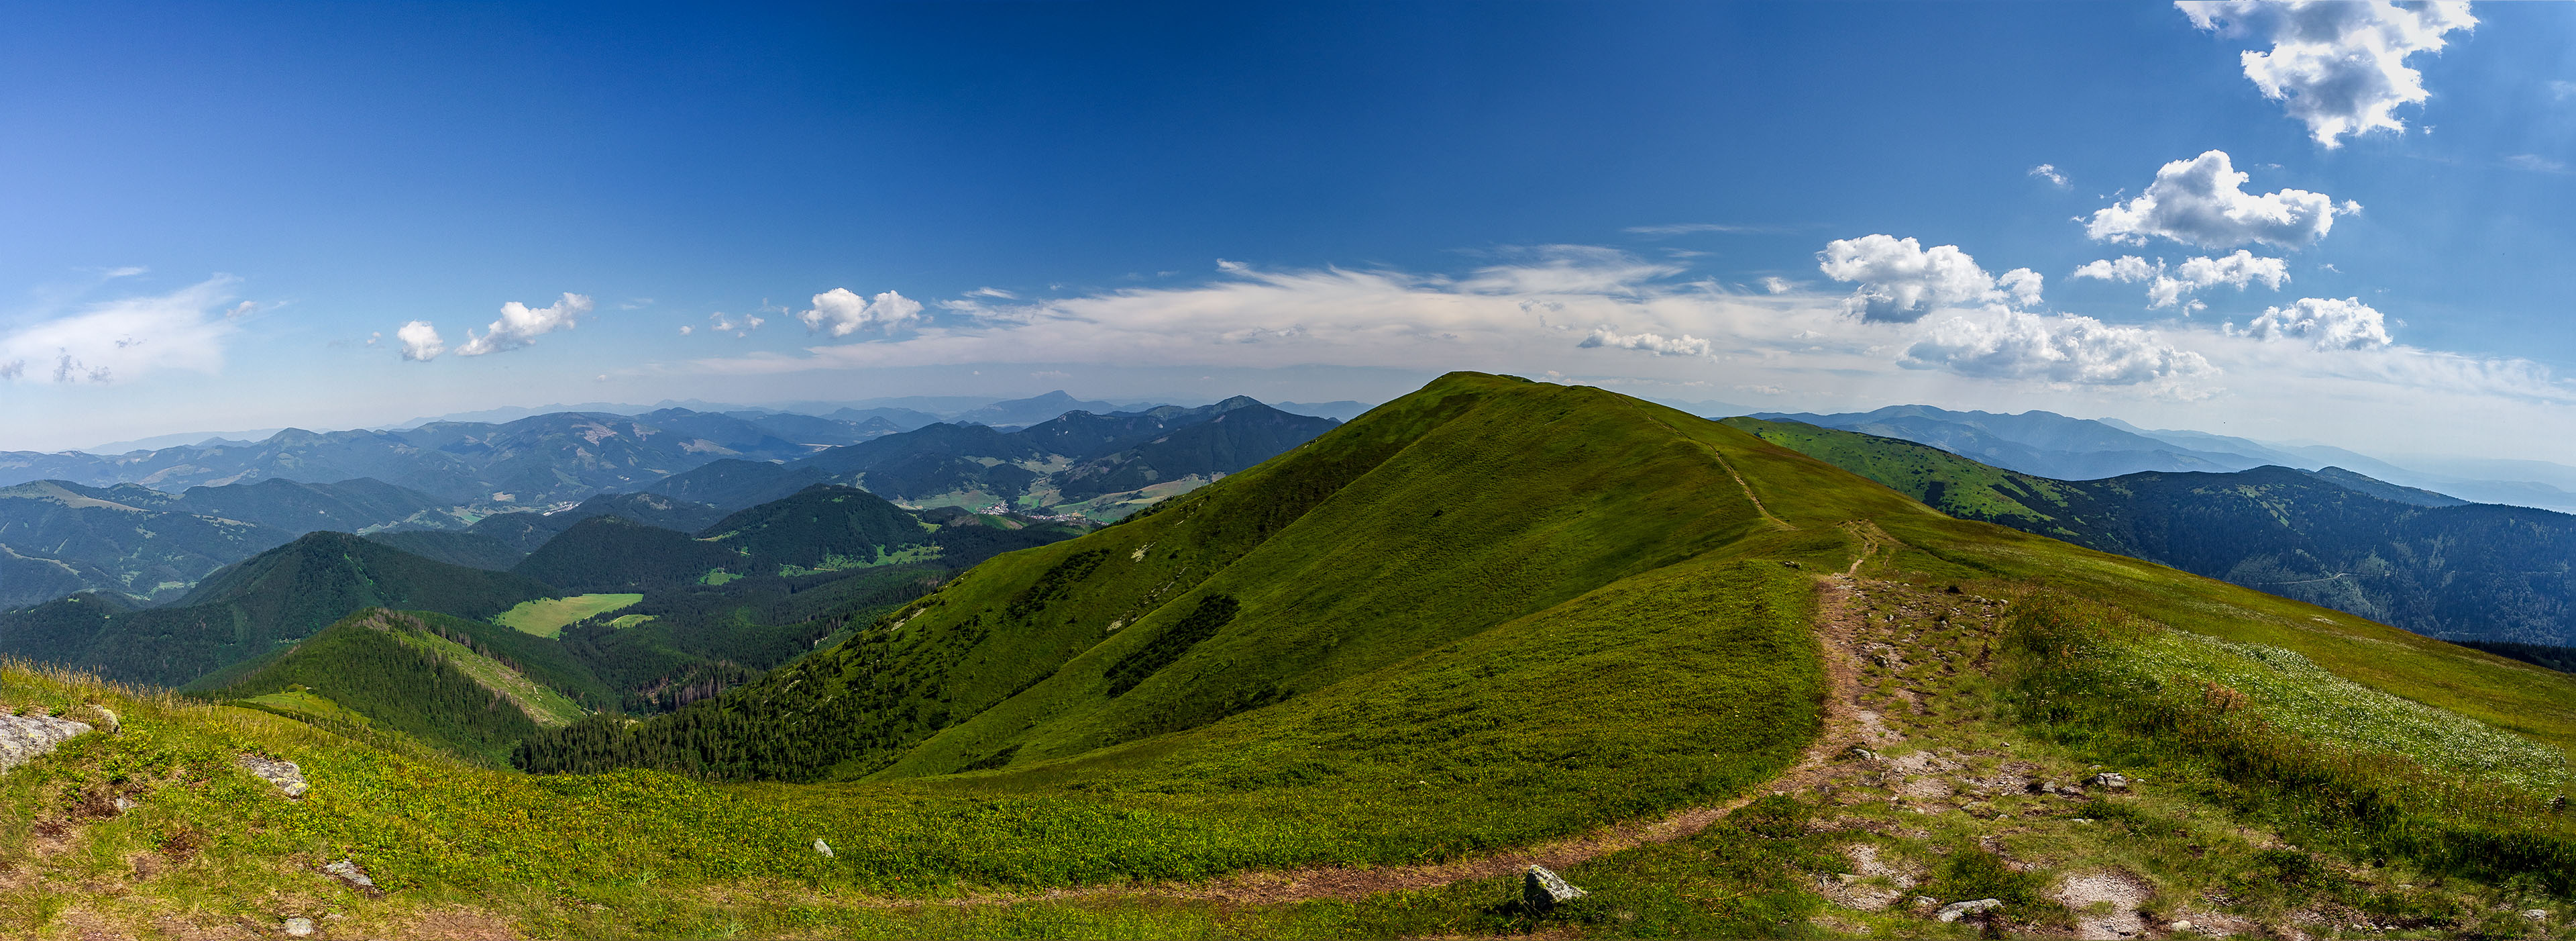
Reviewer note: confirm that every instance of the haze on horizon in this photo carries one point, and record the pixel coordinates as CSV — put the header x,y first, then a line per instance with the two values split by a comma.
x,y
2343,223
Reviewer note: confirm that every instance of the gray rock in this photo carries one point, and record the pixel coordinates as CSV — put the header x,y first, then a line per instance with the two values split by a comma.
x,y
299,927
1542,890
2536,914
124,803
106,718
277,771
347,871
1957,910
822,847
22,738
1860,753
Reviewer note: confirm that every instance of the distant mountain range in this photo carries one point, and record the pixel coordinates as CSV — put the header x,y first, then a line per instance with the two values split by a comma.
x,y
2424,561
2056,446
1080,462
148,525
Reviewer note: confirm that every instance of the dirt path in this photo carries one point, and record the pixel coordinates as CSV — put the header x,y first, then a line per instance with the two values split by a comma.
x,y
1846,724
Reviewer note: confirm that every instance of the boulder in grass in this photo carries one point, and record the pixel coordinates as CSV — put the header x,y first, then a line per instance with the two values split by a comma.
x,y
1957,910
348,871
2109,781
822,847
22,738
1542,890
277,771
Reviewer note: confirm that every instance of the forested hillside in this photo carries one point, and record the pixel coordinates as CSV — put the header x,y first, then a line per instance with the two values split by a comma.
x,y
281,595
2406,557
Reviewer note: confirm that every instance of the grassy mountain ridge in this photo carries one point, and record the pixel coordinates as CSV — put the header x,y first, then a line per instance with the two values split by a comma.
x,y
1480,620
444,681
2435,567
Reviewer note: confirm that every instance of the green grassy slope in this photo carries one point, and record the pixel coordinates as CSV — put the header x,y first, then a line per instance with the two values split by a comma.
x,y
434,679
1489,614
2512,695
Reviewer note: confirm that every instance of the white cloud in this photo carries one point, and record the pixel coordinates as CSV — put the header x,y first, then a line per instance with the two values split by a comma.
x,y
1688,228
685,329
420,341
521,325
2050,173
125,339
1777,285
1900,280
841,312
2339,65
2167,287
1656,343
722,322
2534,162
2201,202
2062,348
2324,322
2562,89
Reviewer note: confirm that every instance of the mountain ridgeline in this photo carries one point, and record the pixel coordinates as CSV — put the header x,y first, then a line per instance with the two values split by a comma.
x,y
1490,616
1309,581
2419,560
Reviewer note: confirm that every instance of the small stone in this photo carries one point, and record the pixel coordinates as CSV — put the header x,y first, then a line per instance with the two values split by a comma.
x,y
822,847
299,927
277,771
2108,780
106,718
1542,890
347,871
1957,910
124,803
1925,901
2536,914
1860,753
2179,926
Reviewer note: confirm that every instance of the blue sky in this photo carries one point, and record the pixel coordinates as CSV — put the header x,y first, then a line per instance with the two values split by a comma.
x,y
223,217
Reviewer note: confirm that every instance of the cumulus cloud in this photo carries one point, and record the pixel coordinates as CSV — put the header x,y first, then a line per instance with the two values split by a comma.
x,y
2050,173
685,329
2061,348
420,342
125,339
740,327
1900,280
1656,343
2324,322
841,312
1777,285
521,325
2338,65
2201,201
2167,287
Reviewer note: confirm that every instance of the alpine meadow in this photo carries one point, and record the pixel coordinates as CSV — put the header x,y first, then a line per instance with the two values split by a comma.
x,y
1425,469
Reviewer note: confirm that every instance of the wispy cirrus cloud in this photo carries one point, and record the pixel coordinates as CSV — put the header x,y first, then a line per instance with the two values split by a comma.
x,y
125,339
1694,228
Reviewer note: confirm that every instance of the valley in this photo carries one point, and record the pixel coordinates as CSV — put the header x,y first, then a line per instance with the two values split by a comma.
x,y
1726,688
